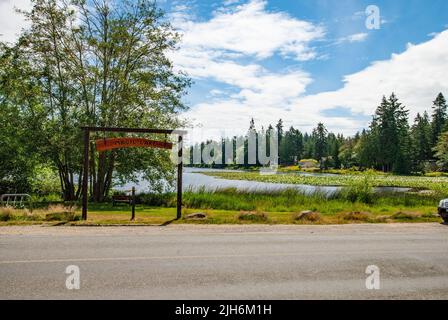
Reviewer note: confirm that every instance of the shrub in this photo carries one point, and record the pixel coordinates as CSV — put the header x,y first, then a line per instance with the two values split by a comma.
x,y
360,190
61,213
45,181
253,216
6,213
356,216
157,199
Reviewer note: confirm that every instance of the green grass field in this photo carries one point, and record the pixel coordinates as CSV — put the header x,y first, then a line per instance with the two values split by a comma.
x,y
231,207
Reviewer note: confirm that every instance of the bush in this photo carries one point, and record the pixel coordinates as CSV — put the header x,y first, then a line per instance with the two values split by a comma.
x,y
61,213
253,216
157,199
45,181
356,216
6,213
360,191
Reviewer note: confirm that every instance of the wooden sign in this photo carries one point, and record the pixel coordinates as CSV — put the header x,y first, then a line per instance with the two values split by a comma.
x,y
115,143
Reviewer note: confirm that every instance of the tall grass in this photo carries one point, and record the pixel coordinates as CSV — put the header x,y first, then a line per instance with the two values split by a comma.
x,y
359,190
293,200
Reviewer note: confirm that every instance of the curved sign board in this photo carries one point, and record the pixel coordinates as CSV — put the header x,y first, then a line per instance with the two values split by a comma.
x,y
115,143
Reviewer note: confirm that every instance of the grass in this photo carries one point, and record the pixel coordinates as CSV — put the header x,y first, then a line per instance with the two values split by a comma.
x,y
439,183
231,206
58,212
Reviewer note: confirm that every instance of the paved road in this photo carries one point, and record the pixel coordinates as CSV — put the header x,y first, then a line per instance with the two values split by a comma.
x,y
225,262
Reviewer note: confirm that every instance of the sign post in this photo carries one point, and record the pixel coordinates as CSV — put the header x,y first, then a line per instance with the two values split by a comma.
x,y
133,203
109,144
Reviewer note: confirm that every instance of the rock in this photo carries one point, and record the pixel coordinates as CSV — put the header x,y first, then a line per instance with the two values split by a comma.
x,y
196,216
307,215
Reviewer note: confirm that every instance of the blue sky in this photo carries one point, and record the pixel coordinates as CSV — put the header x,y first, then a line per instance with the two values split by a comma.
x,y
403,21
305,61
332,56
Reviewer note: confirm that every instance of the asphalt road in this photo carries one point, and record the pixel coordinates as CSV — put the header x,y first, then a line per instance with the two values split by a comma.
x,y
225,262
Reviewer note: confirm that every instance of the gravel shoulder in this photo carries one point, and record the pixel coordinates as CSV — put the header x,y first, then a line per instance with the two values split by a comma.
x,y
192,228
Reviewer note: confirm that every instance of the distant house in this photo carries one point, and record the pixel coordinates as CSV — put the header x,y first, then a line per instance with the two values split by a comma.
x,y
308,163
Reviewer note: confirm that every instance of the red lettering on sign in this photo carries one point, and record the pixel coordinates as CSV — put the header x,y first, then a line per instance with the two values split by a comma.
x,y
115,143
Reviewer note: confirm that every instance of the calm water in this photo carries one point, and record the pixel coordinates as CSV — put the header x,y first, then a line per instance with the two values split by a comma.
x,y
194,180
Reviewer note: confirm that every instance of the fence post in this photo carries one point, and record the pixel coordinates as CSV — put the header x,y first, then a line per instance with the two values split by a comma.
x,y
133,203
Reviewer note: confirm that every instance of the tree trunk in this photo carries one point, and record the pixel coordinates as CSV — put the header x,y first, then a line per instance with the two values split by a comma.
x,y
103,176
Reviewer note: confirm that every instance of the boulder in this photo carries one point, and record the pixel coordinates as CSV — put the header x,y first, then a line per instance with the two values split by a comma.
x,y
308,215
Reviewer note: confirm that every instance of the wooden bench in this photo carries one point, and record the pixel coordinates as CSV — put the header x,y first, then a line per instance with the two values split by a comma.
x,y
121,199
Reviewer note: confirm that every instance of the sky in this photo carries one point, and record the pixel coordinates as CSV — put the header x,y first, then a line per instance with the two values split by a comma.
x,y
304,61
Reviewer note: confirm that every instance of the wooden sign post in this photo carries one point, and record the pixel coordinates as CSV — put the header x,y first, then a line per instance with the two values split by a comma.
x,y
114,143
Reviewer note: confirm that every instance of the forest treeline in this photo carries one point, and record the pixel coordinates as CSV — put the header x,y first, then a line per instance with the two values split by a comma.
x,y
390,143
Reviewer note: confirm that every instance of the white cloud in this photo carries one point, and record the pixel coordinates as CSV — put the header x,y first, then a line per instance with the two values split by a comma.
x,y
358,37
251,30
11,22
417,75
213,50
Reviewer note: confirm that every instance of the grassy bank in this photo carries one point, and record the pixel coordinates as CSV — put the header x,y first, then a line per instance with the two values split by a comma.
x,y
239,207
439,184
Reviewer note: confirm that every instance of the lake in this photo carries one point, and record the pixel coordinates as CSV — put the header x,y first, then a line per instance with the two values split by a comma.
x,y
194,180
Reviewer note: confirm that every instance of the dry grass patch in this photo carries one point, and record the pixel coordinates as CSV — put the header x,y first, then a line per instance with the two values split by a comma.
x,y
61,213
356,216
252,216
406,215
6,213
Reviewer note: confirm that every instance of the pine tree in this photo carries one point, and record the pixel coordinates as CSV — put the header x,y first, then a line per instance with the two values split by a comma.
x,y
421,141
390,136
320,142
441,151
439,118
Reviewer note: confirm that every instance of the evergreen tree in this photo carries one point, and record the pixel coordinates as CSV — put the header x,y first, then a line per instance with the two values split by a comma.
x,y
308,146
439,118
390,133
441,151
291,147
421,141
320,142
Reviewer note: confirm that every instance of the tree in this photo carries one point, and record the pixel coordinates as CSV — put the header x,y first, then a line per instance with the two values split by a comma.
x,y
334,145
279,127
95,65
320,141
439,118
421,141
291,147
390,133
17,161
441,151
